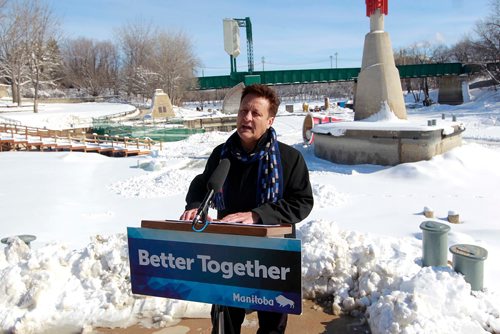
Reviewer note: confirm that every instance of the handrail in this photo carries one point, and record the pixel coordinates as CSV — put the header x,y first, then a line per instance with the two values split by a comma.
x,y
112,116
10,120
79,137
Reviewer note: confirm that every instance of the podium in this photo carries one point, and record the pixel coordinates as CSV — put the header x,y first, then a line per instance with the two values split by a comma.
x,y
239,265
222,228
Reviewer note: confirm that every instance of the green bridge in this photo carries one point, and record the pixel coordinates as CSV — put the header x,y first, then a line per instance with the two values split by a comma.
x,y
287,77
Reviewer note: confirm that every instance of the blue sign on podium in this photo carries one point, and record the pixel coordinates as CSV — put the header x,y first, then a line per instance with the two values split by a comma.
x,y
233,270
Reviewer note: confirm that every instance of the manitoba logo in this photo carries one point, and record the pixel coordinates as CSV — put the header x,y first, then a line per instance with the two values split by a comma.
x,y
253,299
283,301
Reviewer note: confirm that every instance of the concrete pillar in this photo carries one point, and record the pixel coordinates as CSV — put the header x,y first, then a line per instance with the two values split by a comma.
x,y
378,80
231,103
354,92
450,90
377,21
465,90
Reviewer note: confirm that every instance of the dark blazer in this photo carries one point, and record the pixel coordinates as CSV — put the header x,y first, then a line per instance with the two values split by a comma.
x,y
240,188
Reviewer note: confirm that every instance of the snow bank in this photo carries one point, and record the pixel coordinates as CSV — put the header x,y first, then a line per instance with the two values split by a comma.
x,y
55,288
384,278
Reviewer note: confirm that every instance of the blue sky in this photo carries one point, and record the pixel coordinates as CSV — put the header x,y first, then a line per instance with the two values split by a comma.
x,y
288,34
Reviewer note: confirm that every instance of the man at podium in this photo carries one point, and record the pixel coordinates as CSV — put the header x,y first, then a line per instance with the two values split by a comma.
x,y
267,183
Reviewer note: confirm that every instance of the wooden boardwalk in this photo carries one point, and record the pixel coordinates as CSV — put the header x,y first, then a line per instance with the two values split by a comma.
x,y
24,138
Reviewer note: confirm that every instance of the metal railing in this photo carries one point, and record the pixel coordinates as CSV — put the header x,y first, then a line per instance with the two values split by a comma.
x,y
329,75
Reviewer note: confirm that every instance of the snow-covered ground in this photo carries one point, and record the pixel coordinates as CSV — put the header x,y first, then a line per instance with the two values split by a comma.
x,y
58,116
361,243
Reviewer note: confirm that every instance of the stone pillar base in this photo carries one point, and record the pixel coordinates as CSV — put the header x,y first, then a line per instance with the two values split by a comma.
x,y
378,80
450,90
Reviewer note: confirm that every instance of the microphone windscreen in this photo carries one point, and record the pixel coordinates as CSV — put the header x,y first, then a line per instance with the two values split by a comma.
x,y
219,175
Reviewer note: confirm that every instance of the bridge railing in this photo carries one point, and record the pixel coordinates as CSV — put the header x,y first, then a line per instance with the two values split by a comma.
x,y
429,70
329,75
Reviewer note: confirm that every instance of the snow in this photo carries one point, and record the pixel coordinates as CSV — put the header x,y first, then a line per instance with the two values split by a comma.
x,y
58,116
386,120
361,244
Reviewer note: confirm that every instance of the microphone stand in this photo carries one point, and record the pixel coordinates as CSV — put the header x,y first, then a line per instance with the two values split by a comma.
x,y
219,318
216,181
200,220
201,214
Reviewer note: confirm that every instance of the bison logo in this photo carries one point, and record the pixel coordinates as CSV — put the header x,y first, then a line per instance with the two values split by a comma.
x,y
283,301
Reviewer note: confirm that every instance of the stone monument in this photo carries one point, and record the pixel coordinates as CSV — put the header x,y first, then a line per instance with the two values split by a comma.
x,y
162,106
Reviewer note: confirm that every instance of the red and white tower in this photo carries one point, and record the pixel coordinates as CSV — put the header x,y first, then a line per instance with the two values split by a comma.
x,y
373,5
378,82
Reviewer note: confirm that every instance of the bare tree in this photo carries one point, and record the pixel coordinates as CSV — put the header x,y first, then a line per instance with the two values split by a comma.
x,y
464,51
91,65
154,59
13,58
40,45
136,40
27,37
419,53
441,54
174,63
2,6
488,43
404,56
488,32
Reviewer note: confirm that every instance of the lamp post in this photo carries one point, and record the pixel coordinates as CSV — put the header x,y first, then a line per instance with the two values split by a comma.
x,y
331,64
336,53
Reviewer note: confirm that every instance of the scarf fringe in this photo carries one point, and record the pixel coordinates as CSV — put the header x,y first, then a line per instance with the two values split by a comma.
x,y
218,202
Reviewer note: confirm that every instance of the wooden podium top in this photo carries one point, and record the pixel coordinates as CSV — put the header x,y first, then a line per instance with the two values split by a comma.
x,y
222,228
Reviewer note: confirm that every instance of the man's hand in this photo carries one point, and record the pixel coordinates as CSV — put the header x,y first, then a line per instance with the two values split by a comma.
x,y
190,214
248,217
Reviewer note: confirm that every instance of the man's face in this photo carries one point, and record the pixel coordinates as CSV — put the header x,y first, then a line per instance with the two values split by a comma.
x,y
253,120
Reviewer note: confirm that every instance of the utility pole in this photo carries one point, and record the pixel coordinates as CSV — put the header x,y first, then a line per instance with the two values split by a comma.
x,y
263,62
336,53
331,65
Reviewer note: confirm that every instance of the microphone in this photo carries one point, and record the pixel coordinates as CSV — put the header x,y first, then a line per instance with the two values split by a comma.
x,y
219,175
214,184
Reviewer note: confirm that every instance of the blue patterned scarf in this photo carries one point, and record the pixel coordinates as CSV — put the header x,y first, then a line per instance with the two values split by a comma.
x,y
270,176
